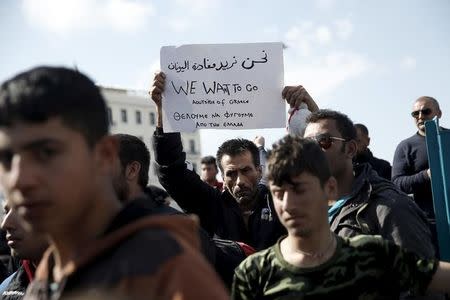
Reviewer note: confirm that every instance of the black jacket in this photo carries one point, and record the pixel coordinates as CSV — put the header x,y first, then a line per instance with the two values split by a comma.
x,y
218,211
381,166
224,255
377,207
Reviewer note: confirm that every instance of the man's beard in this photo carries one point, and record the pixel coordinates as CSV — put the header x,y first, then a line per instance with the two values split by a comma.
x,y
246,198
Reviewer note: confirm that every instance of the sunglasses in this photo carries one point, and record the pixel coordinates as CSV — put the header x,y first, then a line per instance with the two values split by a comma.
x,y
424,112
325,141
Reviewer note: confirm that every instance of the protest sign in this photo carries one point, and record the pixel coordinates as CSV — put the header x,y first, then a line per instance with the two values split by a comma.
x,y
223,86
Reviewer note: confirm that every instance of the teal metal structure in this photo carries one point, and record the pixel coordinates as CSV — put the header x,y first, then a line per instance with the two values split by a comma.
x,y
438,147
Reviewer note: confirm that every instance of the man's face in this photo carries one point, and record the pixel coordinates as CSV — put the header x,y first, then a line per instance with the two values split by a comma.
x,y
209,172
424,110
23,244
50,174
241,177
335,151
303,204
362,141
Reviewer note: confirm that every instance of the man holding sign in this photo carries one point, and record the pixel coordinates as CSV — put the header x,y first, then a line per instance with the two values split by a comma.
x,y
243,211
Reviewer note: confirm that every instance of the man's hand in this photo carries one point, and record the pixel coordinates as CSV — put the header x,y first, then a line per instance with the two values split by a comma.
x,y
259,141
157,88
295,95
155,92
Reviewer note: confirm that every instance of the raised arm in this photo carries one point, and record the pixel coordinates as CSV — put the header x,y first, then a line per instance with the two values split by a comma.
x,y
156,91
295,95
183,185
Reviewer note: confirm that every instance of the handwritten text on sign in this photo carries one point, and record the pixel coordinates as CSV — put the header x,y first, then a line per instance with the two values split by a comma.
x,y
232,86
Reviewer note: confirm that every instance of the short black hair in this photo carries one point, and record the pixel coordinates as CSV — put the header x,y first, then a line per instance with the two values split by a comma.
x,y
362,128
131,148
235,147
293,155
41,93
343,123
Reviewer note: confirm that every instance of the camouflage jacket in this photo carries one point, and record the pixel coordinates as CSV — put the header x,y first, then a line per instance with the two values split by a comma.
x,y
362,267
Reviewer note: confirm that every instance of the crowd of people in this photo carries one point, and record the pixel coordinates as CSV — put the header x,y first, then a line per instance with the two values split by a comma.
x,y
315,217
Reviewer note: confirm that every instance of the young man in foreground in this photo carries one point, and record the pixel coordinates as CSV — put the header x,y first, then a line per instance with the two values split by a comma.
x,y
312,262
56,163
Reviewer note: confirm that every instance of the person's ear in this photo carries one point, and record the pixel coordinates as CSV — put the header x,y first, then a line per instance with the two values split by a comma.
x,y
132,170
106,154
221,171
368,141
351,148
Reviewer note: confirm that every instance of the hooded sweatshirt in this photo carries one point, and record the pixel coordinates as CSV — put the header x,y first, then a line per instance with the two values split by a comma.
x,y
138,257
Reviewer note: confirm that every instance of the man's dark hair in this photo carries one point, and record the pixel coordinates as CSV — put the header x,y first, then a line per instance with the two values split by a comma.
x,y
343,122
209,160
42,93
235,147
362,128
131,148
294,155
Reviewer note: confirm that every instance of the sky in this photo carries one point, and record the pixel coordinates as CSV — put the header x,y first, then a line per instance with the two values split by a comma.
x,y
368,59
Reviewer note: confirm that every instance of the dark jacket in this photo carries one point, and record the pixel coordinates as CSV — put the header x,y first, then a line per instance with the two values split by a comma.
x,y
218,211
137,258
381,166
224,255
377,207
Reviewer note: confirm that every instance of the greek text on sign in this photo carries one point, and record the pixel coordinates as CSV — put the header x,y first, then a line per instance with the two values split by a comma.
x,y
223,86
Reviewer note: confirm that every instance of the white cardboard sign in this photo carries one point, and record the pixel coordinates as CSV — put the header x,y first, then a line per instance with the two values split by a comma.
x,y
223,86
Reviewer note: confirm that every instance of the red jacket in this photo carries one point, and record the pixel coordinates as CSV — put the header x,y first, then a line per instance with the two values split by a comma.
x,y
153,257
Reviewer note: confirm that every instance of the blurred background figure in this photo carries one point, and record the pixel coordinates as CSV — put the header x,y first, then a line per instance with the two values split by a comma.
x,y
364,155
209,172
26,247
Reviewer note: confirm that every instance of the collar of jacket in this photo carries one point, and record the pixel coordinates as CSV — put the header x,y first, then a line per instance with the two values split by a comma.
x,y
361,192
364,157
366,183
262,200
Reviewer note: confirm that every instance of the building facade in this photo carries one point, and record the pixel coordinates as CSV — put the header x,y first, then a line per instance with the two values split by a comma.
x,y
134,113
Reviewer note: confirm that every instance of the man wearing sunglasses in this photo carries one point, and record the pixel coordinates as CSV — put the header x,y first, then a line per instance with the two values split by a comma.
x,y
410,169
367,203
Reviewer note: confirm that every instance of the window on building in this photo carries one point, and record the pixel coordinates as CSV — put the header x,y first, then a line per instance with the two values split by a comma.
x,y
123,113
192,146
110,116
152,118
138,117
